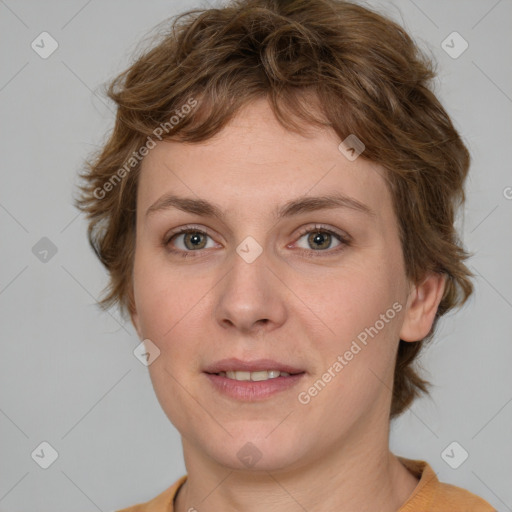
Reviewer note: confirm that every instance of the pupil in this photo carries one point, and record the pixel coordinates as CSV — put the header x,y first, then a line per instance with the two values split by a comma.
x,y
320,239
193,241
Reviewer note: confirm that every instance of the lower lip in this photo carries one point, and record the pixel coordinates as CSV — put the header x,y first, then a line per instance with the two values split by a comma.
x,y
251,391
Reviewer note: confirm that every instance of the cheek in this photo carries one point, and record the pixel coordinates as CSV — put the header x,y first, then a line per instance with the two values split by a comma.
x,y
363,309
354,299
163,295
172,306
168,305
356,366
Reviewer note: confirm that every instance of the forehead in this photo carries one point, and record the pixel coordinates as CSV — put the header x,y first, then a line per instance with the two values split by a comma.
x,y
255,161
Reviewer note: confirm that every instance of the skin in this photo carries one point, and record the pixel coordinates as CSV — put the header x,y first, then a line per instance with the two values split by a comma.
x,y
288,305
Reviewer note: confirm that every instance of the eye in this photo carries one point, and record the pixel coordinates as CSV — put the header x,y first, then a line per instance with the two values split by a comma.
x,y
186,240
319,239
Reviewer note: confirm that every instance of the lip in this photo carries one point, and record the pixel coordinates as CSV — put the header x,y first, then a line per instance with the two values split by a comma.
x,y
252,391
258,365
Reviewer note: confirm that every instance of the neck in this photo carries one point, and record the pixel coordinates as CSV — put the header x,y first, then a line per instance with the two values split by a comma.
x,y
357,473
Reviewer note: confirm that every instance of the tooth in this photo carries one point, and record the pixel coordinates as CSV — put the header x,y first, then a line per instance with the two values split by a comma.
x,y
253,376
264,375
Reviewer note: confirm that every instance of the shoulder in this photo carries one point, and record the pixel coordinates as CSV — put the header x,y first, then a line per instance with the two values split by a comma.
x,y
434,496
452,496
161,503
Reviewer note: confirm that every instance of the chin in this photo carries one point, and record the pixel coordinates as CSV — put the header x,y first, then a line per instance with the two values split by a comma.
x,y
253,450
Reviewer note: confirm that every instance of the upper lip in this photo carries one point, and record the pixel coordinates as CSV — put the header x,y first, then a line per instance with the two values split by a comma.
x,y
233,364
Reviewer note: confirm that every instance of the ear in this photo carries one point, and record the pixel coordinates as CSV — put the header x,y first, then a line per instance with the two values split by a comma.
x,y
132,309
135,321
422,305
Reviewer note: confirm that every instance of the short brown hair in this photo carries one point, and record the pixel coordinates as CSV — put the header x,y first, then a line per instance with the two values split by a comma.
x,y
367,78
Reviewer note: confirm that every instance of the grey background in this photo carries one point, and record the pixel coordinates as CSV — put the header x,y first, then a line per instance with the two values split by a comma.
x,y
68,374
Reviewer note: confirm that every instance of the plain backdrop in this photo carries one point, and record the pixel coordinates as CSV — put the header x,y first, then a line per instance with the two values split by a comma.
x,y
68,373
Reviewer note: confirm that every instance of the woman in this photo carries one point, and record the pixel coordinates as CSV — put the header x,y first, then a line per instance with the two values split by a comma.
x,y
275,207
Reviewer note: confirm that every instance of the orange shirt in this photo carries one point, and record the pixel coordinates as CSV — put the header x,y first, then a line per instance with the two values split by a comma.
x,y
430,495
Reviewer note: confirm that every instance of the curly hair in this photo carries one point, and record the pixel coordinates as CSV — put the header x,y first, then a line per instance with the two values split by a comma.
x,y
364,75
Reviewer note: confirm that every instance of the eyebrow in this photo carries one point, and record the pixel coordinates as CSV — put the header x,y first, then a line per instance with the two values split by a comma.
x,y
294,207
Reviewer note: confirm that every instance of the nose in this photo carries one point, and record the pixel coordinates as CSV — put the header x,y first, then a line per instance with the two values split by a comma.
x,y
251,298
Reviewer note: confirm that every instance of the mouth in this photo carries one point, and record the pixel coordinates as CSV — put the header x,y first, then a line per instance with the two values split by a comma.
x,y
252,380
256,370
258,376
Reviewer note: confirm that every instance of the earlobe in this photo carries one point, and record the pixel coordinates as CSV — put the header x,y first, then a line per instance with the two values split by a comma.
x,y
422,307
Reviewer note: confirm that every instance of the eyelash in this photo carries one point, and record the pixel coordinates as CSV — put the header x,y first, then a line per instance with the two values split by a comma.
x,y
343,239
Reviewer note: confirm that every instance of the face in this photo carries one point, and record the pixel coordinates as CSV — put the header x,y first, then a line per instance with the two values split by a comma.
x,y
317,289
